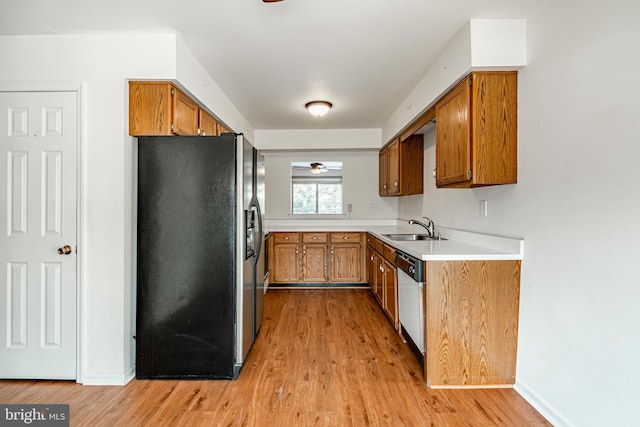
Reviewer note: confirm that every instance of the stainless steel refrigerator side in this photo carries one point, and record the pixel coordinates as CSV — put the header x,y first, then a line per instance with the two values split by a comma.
x,y
245,302
260,273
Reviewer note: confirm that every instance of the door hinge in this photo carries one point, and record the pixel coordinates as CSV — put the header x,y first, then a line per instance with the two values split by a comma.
x,y
171,126
470,80
470,174
172,92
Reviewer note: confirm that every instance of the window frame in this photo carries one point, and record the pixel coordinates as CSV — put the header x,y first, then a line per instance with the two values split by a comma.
x,y
317,180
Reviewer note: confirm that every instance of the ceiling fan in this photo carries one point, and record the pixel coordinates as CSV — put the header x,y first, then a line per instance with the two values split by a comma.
x,y
318,168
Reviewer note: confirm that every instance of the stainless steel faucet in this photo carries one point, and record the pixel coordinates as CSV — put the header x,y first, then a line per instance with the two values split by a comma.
x,y
429,226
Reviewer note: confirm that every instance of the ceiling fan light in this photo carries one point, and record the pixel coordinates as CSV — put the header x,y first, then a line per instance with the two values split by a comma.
x,y
318,108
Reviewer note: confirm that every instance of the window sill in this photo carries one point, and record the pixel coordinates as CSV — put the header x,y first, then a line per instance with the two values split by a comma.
x,y
318,216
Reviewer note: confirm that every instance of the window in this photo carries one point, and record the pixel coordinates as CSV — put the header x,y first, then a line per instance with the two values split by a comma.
x,y
316,188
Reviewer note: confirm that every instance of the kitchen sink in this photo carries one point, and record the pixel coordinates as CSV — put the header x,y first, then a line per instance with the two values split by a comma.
x,y
411,237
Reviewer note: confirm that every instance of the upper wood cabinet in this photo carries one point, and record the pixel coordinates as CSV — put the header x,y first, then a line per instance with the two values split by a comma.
x,y
185,114
476,131
382,172
401,165
207,124
222,129
161,109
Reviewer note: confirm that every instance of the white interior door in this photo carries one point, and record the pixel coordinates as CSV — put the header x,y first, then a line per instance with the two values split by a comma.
x,y
38,193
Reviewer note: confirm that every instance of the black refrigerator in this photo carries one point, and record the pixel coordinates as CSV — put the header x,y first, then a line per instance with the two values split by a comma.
x,y
198,249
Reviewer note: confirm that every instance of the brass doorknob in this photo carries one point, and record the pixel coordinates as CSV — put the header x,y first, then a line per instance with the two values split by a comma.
x,y
65,250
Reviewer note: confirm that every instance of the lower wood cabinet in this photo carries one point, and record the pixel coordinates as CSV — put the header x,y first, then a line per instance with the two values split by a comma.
x,y
471,323
470,319
314,263
381,274
390,304
346,263
284,258
318,257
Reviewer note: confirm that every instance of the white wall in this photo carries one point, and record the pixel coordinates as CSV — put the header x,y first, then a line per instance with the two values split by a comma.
x,y
577,205
199,85
108,209
359,177
480,44
101,63
318,139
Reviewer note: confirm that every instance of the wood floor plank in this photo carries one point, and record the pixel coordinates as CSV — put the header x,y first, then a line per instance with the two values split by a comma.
x,y
324,357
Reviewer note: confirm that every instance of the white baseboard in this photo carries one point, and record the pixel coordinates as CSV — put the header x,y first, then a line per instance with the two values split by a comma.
x,y
109,379
541,405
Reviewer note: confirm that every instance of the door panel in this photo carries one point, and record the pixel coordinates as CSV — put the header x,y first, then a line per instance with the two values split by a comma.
x,y
38,140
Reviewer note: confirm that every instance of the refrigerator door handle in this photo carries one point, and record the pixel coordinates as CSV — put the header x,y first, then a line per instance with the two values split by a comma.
x,y
260,236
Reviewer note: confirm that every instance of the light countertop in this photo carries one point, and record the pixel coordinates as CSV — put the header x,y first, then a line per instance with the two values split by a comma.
x,y
460,245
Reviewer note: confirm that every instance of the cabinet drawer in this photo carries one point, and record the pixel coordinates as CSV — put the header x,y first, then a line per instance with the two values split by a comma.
x,y
286,238
389,253
314,237
345,237
371,240
379,246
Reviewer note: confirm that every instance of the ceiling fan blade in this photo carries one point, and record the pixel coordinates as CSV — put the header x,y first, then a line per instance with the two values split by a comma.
x,y
271,1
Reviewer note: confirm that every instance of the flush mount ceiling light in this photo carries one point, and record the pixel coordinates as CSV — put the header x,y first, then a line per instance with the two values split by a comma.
x,y
318,108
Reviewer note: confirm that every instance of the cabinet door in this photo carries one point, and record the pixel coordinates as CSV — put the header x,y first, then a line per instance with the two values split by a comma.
x,y
379,277
207,124
453,135
314,263
382,172
346,260
150,105
286,264
222,129
391,293
393,168
371,268
185,114
494,128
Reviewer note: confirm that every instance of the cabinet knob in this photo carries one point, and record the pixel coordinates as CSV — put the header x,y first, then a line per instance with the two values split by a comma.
x,y
285,238
314,238
395,183
345,238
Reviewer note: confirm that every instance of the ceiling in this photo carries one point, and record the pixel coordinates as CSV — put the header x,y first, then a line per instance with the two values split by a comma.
x,y
364,56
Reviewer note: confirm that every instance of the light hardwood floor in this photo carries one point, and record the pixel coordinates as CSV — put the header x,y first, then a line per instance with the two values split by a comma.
x,y
323,358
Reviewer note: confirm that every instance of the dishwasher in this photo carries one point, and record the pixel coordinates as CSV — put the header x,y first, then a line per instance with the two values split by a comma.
x,y
410,272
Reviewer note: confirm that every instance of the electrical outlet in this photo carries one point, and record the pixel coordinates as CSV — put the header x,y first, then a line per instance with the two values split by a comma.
x,y
349,207
483,208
